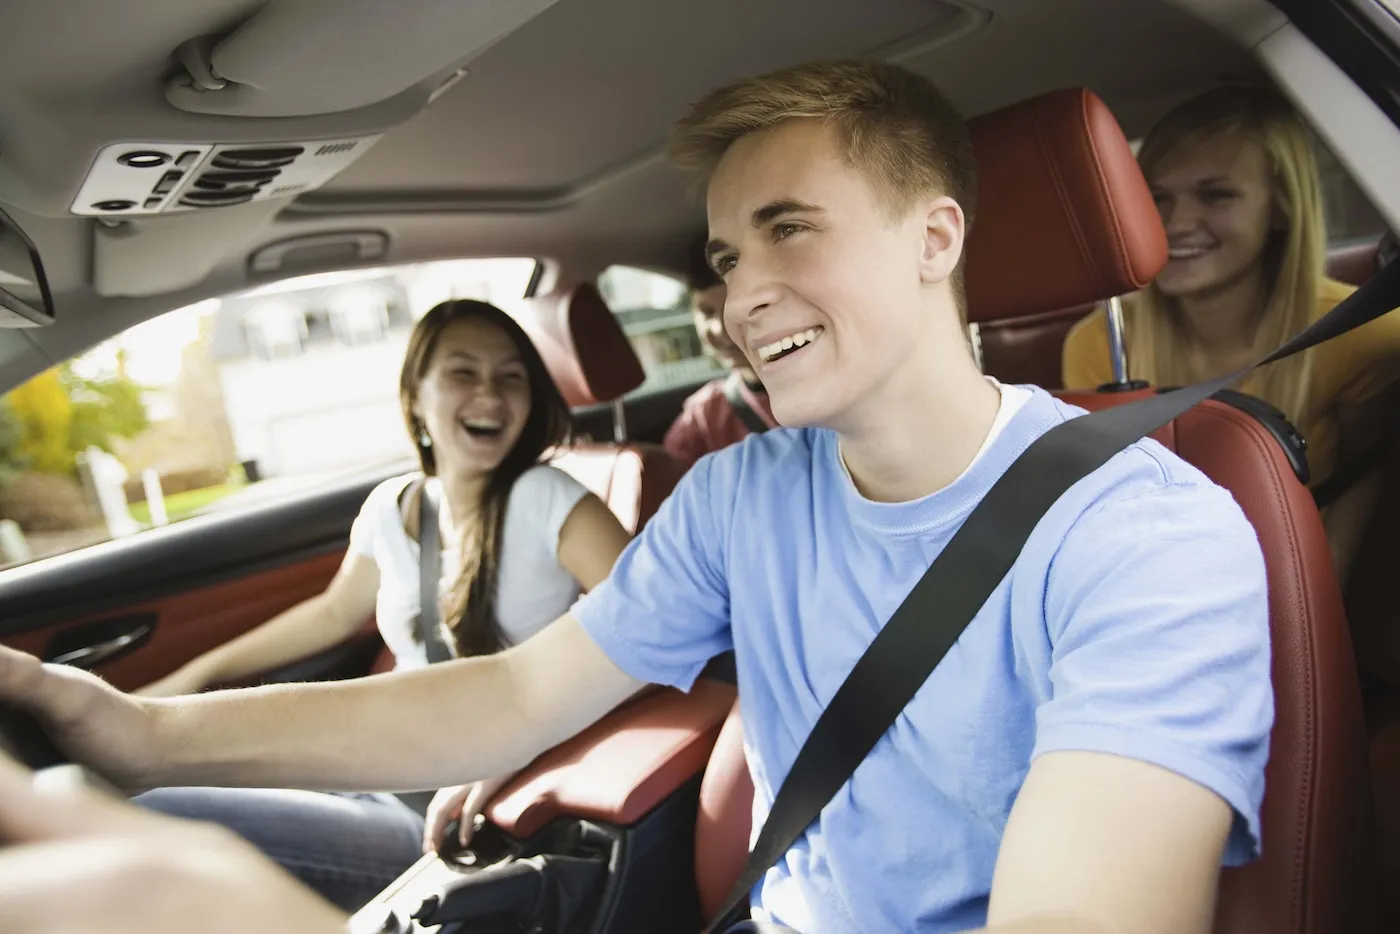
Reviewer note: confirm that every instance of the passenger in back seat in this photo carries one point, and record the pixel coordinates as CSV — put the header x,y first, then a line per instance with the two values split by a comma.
x,y
1083,760
728,409
1236,182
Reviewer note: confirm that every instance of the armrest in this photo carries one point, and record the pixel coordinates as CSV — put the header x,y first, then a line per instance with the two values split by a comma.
x,y
623,766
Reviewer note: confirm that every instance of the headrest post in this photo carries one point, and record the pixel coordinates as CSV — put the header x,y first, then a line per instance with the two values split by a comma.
x,y
1117,344
619,422
974,340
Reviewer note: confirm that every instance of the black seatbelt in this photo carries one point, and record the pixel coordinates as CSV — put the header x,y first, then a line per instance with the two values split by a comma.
x,y
429,575
751,419
944,601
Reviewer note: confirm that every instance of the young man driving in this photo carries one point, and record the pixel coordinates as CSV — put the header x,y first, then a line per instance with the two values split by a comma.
x,y
1084,758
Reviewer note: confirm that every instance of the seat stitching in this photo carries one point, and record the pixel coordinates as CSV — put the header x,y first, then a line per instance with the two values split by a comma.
x,y
1300,855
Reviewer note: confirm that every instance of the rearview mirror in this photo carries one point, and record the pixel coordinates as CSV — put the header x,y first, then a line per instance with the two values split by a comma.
x,y
25,301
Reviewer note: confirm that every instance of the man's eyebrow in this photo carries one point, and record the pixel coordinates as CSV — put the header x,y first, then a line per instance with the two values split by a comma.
x,y
713,249
764,215
776,209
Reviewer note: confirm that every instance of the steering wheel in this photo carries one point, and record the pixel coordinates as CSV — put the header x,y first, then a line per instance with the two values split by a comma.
x,y
24,740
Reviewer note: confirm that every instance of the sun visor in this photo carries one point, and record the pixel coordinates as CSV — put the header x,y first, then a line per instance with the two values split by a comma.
x,y
305,57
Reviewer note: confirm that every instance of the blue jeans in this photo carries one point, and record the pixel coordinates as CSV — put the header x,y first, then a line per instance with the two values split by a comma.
x,y
347,847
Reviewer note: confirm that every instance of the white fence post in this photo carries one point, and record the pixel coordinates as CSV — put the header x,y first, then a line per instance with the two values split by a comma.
x,y
155,496
108,479
13,548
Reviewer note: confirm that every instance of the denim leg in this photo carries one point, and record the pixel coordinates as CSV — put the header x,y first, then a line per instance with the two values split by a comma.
x,y
347,847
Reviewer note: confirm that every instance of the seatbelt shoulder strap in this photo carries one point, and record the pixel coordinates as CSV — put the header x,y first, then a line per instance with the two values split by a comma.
x,y
429,574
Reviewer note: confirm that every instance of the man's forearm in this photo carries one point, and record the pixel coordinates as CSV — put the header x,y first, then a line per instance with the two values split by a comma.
x,y
382,733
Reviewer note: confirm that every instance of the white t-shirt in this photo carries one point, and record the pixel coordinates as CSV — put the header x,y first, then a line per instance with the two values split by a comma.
x,y
1013,397
532,588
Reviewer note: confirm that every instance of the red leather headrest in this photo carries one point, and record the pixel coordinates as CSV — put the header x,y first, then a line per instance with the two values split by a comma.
x,y
583,346
1064,216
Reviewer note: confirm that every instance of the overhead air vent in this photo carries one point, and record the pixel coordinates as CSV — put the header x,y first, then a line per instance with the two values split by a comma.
x,y
331,149
215,199
133,179
259,158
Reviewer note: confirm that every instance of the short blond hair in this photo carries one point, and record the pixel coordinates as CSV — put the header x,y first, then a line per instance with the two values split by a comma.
x,y
894,125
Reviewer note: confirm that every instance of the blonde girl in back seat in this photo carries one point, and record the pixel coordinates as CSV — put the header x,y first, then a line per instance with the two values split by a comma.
x,y
519,541
1233,175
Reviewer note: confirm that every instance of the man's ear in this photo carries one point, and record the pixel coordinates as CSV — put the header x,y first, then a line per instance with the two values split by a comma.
x,y
944,230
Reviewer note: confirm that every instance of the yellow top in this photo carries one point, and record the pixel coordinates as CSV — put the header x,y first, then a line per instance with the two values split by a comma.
x,y
1346,370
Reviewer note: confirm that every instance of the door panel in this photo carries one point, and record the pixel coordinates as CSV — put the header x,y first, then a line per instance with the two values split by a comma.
x,y
93,644
188,623
151,602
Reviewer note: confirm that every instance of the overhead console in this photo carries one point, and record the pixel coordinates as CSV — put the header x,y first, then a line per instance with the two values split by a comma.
x,y
197,129
165,178
310,59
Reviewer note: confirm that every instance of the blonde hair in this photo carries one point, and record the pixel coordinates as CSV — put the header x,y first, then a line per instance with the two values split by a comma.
x,y
1294,256
894,127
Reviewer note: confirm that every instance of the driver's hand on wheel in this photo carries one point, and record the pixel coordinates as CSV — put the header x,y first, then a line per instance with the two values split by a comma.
x,y
92,722
77,860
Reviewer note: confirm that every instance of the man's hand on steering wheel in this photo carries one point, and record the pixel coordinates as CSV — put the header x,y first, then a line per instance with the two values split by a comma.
x,y
92,722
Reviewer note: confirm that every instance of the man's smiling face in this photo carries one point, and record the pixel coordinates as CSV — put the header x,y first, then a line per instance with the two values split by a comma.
x,y
827,293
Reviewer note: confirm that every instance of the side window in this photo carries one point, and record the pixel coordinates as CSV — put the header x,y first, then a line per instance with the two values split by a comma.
x,y
1350,217
222,404
654,311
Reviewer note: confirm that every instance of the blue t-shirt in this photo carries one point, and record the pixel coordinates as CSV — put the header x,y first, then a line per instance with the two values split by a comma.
x,y
1134,622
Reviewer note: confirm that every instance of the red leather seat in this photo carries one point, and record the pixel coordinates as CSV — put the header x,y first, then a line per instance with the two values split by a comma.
x,y
1375,625
592,362
1354,263
1027,350
1066,220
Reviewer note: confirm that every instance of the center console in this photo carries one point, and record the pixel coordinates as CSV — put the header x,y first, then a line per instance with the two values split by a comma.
x,y
596,835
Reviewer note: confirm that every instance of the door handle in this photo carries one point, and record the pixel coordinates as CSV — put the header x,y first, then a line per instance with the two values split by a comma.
x,y
91,655
93,644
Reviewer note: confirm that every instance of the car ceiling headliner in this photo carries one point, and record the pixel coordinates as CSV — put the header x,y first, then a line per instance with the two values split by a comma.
x,y
549,147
